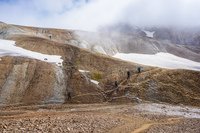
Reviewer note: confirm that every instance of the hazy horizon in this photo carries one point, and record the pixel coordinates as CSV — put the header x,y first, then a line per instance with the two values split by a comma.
x,y
91,14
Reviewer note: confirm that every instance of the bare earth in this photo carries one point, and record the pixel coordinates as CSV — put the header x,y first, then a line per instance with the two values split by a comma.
x,y
113,118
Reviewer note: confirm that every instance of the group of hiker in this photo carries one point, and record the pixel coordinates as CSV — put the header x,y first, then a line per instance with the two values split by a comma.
x,y
116,83
128,76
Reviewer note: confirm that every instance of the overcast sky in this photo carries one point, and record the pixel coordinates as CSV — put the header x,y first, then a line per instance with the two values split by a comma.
x,y
90,14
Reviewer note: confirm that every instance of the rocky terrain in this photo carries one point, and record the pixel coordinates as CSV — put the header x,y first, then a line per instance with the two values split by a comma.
x,y
97,118
29,83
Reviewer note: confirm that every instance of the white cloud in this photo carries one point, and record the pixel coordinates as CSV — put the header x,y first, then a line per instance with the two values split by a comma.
x,y
80,14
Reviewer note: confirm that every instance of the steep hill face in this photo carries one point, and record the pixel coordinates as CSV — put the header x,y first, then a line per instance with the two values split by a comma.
x,y
29,81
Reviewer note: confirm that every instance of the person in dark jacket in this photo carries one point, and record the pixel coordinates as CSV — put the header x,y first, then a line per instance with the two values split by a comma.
x,y
128,75
139,69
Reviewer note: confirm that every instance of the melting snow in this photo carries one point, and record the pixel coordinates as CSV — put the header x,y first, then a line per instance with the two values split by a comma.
x,y
8,48
83,71
169,110
149,34
163,60
94,81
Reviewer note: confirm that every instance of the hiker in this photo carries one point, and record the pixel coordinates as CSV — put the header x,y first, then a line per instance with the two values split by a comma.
x,y
50,37
139,69
69,95
116,83
128,75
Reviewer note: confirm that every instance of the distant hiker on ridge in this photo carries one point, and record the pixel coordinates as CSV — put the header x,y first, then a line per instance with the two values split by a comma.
x,y
116,83
50,37
69,95
139,69
128,75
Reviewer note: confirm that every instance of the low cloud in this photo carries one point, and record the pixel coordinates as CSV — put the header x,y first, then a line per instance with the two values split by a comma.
x,y
90,14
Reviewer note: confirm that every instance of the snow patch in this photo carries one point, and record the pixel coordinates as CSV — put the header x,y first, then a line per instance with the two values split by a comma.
x,y
83,71
169,110
8,48
94,81
149,34
163,60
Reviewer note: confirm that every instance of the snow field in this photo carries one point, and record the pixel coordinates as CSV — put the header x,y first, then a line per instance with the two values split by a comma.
x,y
163,60
8,48
149,34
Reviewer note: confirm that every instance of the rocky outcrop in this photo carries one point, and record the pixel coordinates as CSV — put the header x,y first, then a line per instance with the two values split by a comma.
x,y
26,81
8,30
97,42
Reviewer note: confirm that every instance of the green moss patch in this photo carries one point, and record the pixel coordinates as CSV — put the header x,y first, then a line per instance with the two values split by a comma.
x,y
97,76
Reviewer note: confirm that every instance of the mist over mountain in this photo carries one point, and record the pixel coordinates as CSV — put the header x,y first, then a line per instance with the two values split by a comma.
x,y
123,28
187,38
176,35
183,36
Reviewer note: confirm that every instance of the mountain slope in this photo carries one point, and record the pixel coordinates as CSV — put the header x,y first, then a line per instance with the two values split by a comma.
x,y
30,81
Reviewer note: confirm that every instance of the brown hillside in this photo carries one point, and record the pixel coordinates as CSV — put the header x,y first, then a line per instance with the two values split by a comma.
x,y
29,81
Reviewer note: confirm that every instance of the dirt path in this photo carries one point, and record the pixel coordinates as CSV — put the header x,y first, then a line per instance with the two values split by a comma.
x,y
131,123
115,118
148,125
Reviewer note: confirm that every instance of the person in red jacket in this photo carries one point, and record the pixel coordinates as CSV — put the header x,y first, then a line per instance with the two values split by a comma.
x,y
69,95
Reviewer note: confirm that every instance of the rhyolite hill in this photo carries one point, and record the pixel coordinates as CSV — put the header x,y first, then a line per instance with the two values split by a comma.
x,y
25,81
